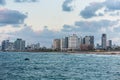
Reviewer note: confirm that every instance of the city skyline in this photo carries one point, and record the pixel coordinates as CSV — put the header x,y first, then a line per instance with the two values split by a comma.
x,y
82,43
18,45
43,20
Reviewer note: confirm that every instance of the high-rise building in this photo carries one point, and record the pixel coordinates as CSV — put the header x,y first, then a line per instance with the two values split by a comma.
x,y
56,44
5,45
88,43
73,42
80,42
64,43
23,45
11,46
37,45
104,41
88,40
110,43
19,45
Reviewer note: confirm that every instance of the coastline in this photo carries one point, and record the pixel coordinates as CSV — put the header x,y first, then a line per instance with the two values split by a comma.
x,y
75,52
96,52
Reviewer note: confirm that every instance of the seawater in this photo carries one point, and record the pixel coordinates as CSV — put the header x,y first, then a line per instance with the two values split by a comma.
x,y
58,66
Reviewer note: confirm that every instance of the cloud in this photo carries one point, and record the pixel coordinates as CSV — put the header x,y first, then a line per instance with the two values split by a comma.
x,y
109,5
2,2
20,1
89,26
11,17
32,36
95,28
90,10
66,6
112,4
82,28
67,28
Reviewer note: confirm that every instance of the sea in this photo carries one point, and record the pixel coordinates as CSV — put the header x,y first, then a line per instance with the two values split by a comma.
x,y
58,66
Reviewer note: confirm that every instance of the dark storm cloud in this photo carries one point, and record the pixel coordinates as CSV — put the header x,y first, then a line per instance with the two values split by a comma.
x,y
66,5
90,11
11,17
19,1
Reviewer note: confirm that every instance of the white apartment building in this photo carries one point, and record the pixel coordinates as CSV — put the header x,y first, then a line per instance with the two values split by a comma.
x,y
73,42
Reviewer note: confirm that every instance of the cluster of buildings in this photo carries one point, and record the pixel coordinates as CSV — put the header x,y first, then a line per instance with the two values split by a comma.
x,y
69,43
33,46
74,42
105,44
18,45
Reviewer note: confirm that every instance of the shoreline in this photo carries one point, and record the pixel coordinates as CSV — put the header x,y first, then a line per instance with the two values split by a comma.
x,y
75,52
96,52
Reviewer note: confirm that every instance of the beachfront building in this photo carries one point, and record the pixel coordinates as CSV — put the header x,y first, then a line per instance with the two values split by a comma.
x,y
88,43
5,44
56,44
10,46
19,45
88,40
73,42
104,41
64,44
98,46
33,46
110,43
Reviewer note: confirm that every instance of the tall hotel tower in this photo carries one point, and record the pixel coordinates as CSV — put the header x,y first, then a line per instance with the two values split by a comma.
x,y
104,41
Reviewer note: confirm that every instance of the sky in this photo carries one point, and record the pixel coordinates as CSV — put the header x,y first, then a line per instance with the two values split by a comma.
x,y
44,20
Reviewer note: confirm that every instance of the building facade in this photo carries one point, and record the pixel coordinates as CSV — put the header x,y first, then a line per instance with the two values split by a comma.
x,y
56,44
88,40
104,41
5,45
19,45
88,43
110,43
64,43
11,46
73,42
33,46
